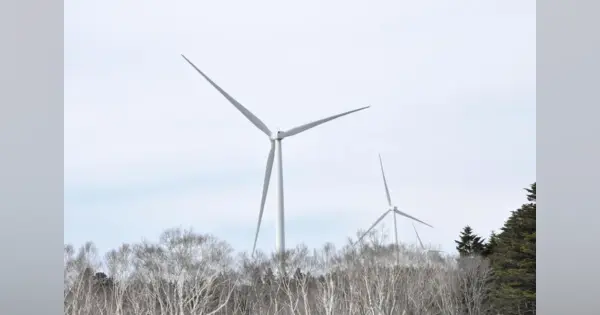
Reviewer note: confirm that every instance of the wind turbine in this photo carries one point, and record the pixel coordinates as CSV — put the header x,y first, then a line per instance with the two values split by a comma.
x,y
421,242
274,154
392,209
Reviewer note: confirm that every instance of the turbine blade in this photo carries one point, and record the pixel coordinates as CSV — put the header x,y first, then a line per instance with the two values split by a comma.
x,y
411,217
372,226
418,238
264,193
313,124
387,190
253,119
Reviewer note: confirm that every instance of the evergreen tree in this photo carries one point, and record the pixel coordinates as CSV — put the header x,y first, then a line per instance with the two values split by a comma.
x,y
490,246
531,193
513,260
469,243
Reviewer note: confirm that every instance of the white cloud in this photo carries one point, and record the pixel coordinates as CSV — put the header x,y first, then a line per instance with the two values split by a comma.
x,y
452,88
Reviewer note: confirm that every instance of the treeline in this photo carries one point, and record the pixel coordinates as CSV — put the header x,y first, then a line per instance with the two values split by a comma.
x,y
187,273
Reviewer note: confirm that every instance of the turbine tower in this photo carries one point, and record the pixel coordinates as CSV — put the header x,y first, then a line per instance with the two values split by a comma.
x,y
274,154
392,209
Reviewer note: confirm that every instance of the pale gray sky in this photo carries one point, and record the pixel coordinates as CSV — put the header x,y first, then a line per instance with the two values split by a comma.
x,y
150,145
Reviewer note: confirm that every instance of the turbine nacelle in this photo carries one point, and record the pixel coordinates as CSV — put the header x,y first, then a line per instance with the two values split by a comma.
x,y
278,135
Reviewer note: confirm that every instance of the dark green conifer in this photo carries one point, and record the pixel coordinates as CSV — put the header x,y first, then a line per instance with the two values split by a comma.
x,y
513,260
469,243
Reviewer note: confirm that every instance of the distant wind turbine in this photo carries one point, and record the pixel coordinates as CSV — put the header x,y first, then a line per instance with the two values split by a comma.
x,y
421,242
275,153
392,209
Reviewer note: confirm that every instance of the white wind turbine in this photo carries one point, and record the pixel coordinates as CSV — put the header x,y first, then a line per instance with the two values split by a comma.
x,y
421,242
274,153
392,209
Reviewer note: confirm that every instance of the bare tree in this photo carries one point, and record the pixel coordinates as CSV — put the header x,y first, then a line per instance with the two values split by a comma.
x,y
79,282
187,273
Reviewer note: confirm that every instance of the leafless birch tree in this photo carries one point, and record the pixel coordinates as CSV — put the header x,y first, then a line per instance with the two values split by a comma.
x,y
186,273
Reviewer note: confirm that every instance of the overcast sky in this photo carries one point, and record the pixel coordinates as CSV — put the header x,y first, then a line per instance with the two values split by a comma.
x,y
150,145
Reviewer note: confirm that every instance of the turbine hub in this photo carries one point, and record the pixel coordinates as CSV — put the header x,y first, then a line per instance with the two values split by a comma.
x,y
278,135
